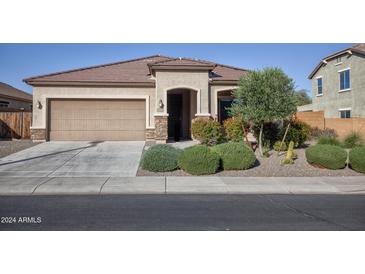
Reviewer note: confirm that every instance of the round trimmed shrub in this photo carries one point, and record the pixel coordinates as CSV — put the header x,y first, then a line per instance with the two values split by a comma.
x,y
234,129
235,156
207,131
197,128
161,158
357,159
199,160
328,156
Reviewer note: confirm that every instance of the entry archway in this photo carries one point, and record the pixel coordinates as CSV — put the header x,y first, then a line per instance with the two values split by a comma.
x,y
181,109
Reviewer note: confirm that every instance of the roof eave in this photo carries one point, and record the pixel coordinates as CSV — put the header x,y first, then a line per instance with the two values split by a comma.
x,y
224,82
330,57
33,78
30,100
90,83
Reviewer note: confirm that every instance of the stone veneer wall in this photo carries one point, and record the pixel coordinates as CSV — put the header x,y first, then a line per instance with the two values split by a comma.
x,y
150,134
38,134
161,128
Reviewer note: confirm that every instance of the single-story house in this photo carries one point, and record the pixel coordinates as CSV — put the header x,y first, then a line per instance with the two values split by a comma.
x,y
151,98
13,99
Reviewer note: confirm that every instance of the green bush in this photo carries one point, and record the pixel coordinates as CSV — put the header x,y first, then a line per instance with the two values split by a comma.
x,y
328,156
353,140
161,158
298,132
357,159
270,133
327,140
276,146
234,129
207,131
197,128
235,156
199,160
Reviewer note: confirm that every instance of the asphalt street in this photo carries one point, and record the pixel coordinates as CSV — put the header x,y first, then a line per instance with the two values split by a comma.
x,y
183,212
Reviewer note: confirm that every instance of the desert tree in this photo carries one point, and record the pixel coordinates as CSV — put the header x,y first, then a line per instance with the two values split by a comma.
x,y
302,98
264,96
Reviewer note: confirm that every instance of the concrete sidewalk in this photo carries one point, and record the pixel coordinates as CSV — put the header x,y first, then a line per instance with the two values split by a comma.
x,y
181,185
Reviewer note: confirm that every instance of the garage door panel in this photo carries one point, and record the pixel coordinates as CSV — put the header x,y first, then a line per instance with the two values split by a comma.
x,y
97,119
97,136
97,104
98,114
78,124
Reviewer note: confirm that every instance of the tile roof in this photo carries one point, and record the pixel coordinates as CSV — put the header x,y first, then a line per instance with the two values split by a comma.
x,y
134,71
10,91
360,47
227,73
183,62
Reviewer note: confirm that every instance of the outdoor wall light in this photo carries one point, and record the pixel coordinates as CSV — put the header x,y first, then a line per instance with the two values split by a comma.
x,y
160,104
39,105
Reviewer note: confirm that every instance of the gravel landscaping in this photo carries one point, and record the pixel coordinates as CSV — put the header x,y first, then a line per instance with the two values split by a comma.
x,y
271,167
10,147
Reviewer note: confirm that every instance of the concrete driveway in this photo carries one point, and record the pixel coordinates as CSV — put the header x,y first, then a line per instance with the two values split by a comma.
x,y
74,159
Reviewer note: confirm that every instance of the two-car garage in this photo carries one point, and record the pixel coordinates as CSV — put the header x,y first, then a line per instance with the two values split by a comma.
x,y
96,120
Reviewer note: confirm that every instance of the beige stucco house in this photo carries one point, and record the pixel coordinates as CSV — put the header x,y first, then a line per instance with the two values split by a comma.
x,y
13,99
153,98
338,84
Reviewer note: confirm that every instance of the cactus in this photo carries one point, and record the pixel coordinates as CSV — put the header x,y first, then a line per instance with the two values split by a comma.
x,y
289,155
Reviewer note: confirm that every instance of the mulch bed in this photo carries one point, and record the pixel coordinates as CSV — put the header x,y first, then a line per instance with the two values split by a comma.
x,y
270,167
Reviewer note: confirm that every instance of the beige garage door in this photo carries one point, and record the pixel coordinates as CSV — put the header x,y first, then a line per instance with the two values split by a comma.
x,y
96,120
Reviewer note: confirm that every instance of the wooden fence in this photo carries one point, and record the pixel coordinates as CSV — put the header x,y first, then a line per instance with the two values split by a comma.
x,y
342,127
15,125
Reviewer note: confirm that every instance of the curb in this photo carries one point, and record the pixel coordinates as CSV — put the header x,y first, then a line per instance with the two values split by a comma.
x,y
32,186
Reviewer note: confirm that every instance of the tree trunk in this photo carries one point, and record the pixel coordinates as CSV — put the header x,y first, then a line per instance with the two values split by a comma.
x,y
260,139
283,140
245,134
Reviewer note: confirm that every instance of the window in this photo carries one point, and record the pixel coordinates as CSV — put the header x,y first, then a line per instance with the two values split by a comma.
x,y
319,86
346,113
4,104
345,79
338,60
223,113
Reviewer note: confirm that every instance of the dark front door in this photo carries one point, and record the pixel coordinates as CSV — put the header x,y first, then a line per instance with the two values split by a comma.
x,y
174,109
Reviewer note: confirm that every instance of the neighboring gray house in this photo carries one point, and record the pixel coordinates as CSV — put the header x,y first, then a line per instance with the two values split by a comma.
x,y
12,99
338,84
